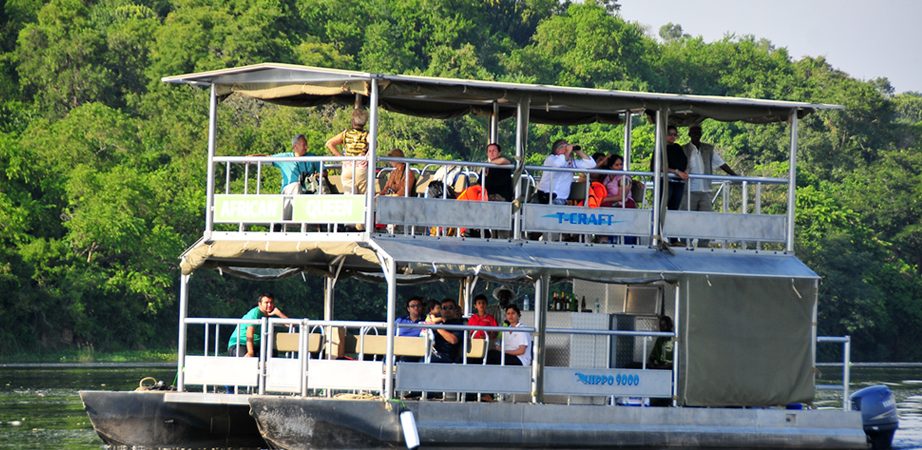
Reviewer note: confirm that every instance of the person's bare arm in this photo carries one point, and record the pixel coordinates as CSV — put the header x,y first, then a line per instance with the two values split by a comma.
x,y
519,351
333,142
726,168
410,184
251,346
448,335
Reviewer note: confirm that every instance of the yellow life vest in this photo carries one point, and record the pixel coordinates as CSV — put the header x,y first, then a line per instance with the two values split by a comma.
x,y
355,142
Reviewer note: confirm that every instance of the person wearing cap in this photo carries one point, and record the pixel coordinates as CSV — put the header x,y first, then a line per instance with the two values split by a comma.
x,y
400,182
503,296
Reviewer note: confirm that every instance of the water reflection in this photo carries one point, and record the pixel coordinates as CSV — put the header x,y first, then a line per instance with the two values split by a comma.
x,y
49,413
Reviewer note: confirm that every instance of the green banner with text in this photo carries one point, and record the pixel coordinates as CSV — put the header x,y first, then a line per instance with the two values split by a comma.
x,y
328,209
248,208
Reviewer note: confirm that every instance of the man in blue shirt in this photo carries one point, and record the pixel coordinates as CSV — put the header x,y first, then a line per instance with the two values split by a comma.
x,y
291,170
414,315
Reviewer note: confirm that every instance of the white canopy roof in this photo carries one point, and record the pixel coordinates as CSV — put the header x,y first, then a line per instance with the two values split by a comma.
x,y
448,97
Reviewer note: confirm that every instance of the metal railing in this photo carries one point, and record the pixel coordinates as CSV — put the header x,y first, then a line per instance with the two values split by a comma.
x,y
745,212
846,367
213,338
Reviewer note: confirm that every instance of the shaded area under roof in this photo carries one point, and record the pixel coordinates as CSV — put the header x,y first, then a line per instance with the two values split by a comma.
x,y
448,97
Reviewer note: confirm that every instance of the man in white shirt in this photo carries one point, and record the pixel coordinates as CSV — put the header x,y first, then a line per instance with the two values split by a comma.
x,y
702,160
557,184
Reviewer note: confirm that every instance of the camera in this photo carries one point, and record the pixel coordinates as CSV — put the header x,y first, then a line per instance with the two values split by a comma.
x,y
577,148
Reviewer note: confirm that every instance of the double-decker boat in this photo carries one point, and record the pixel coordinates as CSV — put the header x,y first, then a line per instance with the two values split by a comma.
x,y
743,368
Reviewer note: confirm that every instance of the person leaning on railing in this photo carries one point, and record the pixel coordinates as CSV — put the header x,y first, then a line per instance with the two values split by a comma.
x,y
554,187
702,160
400,181
498,181
245,339
293,172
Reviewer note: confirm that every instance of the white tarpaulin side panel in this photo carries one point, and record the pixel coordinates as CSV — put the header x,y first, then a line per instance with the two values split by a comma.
x,y
746,341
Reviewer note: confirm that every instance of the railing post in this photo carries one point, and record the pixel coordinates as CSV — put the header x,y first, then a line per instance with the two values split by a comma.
x,y
181,347
391,275
792,182
542,288
676,347
212,134
303,354
263,357
846,370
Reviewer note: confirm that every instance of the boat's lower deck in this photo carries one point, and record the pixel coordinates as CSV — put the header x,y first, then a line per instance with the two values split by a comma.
x,y
195,419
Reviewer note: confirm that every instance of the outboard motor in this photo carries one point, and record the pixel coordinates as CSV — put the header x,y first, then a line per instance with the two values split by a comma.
x,y
878,415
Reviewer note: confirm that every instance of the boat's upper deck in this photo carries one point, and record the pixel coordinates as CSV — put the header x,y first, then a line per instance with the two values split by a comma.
x,y
244,203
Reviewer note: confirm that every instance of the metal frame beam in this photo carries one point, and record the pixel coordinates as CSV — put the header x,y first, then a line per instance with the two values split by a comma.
x,y
181,341
212,137
542,289
792,182
372,160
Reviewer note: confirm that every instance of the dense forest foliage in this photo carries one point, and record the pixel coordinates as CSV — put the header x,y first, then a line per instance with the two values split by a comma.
x,y
102,166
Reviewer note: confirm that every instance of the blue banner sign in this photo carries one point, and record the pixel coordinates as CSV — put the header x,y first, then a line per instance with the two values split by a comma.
x,y
576,219
603,382
584,218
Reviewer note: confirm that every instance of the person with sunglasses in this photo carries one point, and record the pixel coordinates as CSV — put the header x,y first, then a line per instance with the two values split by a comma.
x,y
446,344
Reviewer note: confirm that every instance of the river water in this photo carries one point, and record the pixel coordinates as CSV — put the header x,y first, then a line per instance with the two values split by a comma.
x,y
40,408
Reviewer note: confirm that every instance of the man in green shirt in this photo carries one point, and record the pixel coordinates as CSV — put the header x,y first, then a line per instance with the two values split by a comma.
x,y
245,339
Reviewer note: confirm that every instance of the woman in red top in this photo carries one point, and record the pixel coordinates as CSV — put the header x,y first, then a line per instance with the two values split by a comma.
x,y
481,318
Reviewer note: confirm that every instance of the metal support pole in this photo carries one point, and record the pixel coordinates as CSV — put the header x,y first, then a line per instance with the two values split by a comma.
x,y
263,357
181,342
212,135
792,182
657,179
521,138
628,130
542,289
372,159
676,347
494,124
303,355
328,297
758,208
846,370
391,276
